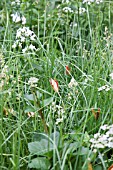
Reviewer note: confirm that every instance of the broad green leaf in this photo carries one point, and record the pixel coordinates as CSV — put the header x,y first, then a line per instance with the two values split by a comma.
x,y
29,109
40,148
39,163
98,167
29,97
46,102
84,151
38,94
38,67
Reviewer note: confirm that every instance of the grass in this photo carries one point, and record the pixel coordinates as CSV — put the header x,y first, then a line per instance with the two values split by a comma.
x,y
84,43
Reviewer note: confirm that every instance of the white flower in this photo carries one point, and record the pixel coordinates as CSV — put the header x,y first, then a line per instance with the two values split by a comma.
x,y
32,47
18,34
95,151
14,45
32,80
22,39
88,1
105,87
111,75
12,3
103,138
59,120
28,32
96,135
110,145
33,37
99,1
67,9
99,145
20,45
110,139
111,131
16,2
16,17
23,20
82,10
72,83
104,127
25,49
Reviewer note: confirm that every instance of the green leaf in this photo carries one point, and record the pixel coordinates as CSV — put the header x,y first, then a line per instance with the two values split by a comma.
x,y
46,102
39,95
29,109
36,66
39,163
29,97
40,148
84,151
98,167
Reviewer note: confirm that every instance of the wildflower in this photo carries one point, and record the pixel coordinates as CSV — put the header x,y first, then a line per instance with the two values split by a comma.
x,y
105,87
14,45
33,37
16,17
22,39
103,140
24,34
16,2
82,10
32,47
111,75
54,84
99,1
32,81
67,1
31,114
25,49
72,83
59,120
99,145
104,127
67,9
67,69
88,1
23,20
95,151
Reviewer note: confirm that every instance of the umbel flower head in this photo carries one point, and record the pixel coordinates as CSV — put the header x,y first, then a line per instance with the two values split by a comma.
x,y
54,84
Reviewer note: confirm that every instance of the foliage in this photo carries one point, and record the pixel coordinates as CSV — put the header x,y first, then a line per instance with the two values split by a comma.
x,y
56,84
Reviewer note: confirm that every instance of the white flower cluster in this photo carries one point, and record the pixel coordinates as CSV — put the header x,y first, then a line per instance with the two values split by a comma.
x,y
72,83
16,2
90,1
98,1
67,9
17,18
105,87
111,76
67,1
59,113
103,139
33,81
24,35
4,76
82,10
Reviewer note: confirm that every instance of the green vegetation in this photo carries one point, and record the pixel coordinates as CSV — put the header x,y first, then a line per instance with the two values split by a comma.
x,y
56,84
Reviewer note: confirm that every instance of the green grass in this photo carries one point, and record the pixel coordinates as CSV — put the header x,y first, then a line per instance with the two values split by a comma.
x,y
87,49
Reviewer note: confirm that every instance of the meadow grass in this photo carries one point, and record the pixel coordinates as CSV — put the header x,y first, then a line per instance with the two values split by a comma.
x,y
43,127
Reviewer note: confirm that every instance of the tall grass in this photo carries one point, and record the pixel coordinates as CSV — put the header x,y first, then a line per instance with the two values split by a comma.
x,y
82,41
